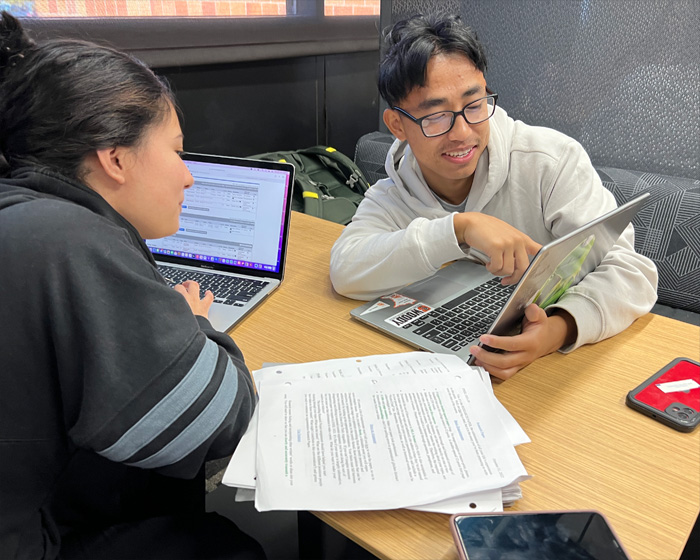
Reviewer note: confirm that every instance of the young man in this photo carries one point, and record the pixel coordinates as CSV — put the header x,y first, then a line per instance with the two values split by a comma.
x,y
466,178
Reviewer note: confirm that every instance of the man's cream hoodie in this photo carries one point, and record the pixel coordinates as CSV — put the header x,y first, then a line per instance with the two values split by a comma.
x,y
536,179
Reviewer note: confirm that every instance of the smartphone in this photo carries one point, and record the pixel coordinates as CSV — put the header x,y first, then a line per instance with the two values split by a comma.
x,y
671,395
536,535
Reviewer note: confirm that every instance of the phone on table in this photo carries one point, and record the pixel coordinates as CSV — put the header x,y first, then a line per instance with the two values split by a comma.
x,y
536,535
671,395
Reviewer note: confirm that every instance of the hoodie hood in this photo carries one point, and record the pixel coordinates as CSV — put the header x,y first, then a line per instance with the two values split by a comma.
x,y
490,175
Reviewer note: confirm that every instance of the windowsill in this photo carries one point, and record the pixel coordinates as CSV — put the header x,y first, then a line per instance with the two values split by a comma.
x,y
164,42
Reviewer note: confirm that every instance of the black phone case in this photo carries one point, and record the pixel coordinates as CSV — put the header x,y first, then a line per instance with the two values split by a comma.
x,y
677,415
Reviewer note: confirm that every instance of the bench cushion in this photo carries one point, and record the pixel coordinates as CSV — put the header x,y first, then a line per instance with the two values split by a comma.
x,y
667,230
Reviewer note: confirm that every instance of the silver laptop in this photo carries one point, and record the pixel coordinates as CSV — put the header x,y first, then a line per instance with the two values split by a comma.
x,y
448,311
233,233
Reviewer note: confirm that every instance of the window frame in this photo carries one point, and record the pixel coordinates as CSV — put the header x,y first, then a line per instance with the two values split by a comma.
x,y
187,41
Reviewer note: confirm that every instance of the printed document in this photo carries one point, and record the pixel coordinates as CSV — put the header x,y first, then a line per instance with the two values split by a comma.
x,y
380,432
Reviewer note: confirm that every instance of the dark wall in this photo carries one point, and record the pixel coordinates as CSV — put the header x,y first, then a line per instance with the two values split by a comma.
x,y
351,98
251,107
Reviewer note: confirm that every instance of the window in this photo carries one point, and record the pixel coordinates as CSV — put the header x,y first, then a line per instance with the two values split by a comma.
x,y
166,33
351,7
181,8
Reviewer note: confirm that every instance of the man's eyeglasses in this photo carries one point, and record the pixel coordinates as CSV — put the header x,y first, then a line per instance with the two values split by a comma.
x,y
437,124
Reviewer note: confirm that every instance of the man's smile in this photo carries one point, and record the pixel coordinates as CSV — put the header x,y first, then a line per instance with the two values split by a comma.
x,y
460,154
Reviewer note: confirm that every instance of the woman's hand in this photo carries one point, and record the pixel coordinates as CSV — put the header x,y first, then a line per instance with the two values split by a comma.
x,y
190,291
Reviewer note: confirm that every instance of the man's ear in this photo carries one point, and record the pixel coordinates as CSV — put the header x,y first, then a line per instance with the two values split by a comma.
x,y
393,122
113,162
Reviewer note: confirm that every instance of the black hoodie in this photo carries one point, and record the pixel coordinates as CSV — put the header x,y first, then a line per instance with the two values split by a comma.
x,y
112,393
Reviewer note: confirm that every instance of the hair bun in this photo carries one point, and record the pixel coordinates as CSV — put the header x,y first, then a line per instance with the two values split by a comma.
x,y
14,42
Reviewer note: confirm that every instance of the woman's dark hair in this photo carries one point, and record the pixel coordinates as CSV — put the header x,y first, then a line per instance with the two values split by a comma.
x,y
411,43
61,100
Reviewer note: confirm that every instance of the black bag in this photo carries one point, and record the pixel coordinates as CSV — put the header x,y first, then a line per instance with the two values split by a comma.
x,y
327,183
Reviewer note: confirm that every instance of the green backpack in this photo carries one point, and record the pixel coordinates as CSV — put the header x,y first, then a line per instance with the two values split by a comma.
x,y
327,183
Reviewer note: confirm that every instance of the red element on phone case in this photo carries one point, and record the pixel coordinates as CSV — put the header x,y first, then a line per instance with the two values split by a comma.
x,y
655,397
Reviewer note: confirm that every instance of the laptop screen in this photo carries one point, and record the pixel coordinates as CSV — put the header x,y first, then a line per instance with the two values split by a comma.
x,y
234,214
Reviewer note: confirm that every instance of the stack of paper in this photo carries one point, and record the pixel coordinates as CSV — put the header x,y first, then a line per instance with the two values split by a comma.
x,y
415,430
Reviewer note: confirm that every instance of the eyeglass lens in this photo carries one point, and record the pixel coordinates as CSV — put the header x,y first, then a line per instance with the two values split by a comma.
x,y
476,112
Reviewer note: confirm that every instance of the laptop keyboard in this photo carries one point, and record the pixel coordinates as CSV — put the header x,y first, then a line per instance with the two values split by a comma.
x,y
229,290
461,320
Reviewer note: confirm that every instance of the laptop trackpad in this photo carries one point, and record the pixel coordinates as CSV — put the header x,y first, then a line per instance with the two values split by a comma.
x,y
433,291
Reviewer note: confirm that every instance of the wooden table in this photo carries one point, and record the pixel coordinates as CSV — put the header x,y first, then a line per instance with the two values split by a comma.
x,y
588,450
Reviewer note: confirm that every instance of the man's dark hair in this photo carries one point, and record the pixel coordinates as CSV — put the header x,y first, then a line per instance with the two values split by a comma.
x,y
61,100
411,43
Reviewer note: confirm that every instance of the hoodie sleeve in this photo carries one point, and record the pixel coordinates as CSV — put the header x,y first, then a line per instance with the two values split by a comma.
x,y
144,382
387,246
623,287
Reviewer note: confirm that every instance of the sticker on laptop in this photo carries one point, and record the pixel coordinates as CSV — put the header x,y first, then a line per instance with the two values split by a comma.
x,y
409,315
398,300
376,307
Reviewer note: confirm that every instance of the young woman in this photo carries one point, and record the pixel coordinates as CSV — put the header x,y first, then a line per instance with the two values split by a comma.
x,y
114,388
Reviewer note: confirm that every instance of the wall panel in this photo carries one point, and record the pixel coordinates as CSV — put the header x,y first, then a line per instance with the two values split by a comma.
x,y
251,107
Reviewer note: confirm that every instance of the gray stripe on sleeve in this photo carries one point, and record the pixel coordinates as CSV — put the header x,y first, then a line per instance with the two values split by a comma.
x,y
201,428
169,409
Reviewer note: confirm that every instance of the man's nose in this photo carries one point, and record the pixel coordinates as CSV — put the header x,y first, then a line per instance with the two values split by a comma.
x,y
460,127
